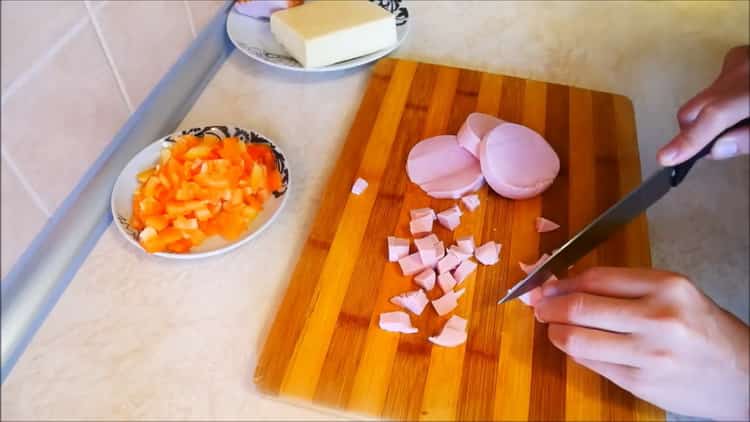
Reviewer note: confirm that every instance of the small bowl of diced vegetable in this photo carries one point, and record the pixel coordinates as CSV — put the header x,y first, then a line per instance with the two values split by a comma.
x,y
200,192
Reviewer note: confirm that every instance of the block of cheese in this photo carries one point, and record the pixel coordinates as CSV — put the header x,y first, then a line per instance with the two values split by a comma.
x,y
324,32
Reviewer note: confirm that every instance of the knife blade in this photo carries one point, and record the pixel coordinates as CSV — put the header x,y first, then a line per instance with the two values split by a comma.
x,y
618,215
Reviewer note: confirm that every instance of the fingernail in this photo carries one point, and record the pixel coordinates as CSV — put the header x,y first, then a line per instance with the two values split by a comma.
x,y
668,155
536,315
724,150
550,288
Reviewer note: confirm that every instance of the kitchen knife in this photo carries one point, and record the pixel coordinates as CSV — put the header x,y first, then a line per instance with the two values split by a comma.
x,y
629,207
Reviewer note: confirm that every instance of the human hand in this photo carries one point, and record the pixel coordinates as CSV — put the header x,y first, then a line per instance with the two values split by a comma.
x,y
654,334
725,102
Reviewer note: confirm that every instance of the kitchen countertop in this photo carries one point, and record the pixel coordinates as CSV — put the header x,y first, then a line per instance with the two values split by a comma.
x,y
135,337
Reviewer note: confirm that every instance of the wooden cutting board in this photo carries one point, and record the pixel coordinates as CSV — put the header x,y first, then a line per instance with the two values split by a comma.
x,y
325,346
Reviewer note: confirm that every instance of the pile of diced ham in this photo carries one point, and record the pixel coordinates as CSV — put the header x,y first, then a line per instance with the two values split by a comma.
x,y
515,161
432,263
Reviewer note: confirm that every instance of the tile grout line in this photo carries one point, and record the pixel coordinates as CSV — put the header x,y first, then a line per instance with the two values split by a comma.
x,y
24,182
190,18
108,54
46,57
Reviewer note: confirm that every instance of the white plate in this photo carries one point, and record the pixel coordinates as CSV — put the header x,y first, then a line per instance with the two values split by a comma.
x,y
253,37
126,183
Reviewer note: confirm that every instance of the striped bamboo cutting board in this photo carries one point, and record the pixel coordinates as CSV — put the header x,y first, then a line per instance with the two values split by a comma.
x,y
325,346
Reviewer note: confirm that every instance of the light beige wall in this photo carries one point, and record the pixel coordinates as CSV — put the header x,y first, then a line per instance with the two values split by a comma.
x,y
72,73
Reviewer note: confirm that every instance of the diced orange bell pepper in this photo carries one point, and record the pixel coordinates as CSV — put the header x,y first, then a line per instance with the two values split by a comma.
x,y
209,227
180,246
145,174
158,222
274,180
150,206
198,151
182,223
196,237
170,234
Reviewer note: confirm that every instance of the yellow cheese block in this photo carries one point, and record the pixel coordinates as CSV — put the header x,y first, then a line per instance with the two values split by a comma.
x,y
323,32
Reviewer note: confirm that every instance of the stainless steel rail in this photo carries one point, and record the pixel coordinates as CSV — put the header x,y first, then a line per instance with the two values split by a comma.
x,y
38,279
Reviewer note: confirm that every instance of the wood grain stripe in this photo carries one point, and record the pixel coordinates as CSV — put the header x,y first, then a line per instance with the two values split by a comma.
x,y
513,382
619,402
412,357
278,350
347,343
583,386
440,396
548,367
478,380
304,368
371,381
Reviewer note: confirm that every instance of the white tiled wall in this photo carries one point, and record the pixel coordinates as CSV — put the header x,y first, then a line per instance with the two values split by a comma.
x,y
72,72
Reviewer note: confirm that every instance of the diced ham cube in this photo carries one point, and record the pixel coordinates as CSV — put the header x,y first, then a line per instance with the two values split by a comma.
x,y
450,218
438,255
453,333
427,247
528,269
421,225
461,253
414,301
543,225
466,243
471,201
464,270
411,264
426,279
397,322
446,282
488,254
421,212
359,186
448,263
397,248
447,302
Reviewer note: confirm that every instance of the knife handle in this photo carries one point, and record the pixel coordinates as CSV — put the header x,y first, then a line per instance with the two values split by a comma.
x,y
681,170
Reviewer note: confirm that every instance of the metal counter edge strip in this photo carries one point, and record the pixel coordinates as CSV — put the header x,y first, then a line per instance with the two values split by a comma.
x,y
37,280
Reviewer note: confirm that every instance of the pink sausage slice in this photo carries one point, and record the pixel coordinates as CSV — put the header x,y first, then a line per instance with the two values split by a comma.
x,y
473,130
517,162
442,168
455,185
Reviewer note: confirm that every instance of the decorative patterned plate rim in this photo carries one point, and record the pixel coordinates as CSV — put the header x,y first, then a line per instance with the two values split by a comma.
x,y
283,61
251,136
